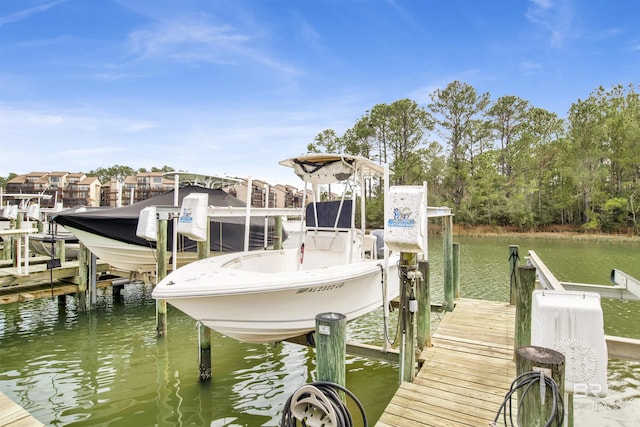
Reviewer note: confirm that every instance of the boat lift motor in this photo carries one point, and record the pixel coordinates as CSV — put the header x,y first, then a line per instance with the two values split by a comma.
x,y
34,212
193,217
147,224
571,322
406,219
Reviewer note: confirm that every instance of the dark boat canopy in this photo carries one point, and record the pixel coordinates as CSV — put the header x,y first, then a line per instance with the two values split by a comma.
x,y
121,223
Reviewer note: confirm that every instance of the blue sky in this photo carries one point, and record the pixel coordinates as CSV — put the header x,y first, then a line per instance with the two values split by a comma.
x,y
234,86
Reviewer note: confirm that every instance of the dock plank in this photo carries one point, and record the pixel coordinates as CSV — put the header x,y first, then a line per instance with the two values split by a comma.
x,y
465,374
13,415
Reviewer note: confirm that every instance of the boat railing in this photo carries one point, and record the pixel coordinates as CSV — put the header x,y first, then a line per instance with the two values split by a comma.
x,y
624,287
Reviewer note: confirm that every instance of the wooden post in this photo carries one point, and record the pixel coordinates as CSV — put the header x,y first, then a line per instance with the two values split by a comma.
x,y
408,267
83,275
16,241
116,292
204,333
204,361
514,257
331,347
60,250
161,250
7,248
533,410
93,285
424,306
456,270
447,231
204,248
524,291
277,238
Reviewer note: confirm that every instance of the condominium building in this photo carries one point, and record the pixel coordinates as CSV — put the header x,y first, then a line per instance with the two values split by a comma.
x,y
70,189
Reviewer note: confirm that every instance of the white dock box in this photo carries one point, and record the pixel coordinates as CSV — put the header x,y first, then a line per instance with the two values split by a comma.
x,y
193,216
406,219
147,224
571,323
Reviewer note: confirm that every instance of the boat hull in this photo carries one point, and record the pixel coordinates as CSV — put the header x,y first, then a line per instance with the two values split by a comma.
x,y
41,244
125,256
229,294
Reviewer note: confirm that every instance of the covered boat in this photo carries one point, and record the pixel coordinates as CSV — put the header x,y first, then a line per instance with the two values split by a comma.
x,y
269,296
110,233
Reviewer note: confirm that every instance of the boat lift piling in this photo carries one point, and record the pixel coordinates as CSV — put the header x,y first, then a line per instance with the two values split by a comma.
x,y
449,291
423,295
204,333
408,309
161,273
331,347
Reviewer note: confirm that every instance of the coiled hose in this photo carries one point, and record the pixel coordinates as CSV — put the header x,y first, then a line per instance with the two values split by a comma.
x,y
525,382
319,405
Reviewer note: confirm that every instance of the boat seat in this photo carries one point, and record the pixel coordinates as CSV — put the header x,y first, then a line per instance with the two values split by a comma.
x,y
326,248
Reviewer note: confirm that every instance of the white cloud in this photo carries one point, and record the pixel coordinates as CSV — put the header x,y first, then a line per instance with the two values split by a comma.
x,y
25,13
186,38
554,17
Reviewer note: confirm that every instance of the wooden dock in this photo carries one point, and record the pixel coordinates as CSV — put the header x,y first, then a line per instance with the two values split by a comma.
x,y
13,415
465,375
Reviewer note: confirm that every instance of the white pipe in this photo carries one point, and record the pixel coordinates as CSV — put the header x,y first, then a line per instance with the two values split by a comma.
x,y
247,218
19,254
174,246
266,218
385,297
425,237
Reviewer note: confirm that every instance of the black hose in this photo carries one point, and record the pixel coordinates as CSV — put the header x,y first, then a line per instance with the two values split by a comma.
x,y
525,381
330,391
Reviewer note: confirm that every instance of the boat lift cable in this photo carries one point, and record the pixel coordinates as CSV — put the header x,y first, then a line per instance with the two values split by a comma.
x,y
386,319
319,405
525,382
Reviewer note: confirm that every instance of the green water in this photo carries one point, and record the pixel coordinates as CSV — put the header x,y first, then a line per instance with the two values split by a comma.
x,y
108,368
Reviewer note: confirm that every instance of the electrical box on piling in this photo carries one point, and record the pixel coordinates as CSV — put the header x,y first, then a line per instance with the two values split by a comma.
x,y
406,219
193,217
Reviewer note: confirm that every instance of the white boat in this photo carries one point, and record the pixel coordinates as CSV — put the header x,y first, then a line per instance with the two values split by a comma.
x,y
269,296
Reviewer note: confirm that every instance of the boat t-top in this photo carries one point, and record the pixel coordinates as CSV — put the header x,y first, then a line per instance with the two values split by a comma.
x,y
271,295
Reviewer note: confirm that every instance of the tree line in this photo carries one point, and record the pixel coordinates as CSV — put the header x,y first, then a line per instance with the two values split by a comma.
x,y
506,162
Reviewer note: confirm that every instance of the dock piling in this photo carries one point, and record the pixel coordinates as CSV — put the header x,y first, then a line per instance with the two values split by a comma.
x,y
424,306
331,347
83,276
204,345
537,403
524,294
456,270
447,231
408,308
204,333
161,249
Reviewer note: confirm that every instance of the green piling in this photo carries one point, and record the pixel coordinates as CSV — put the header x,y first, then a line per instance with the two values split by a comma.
x,y
424,306
447,231
331,347
524,293
161,249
